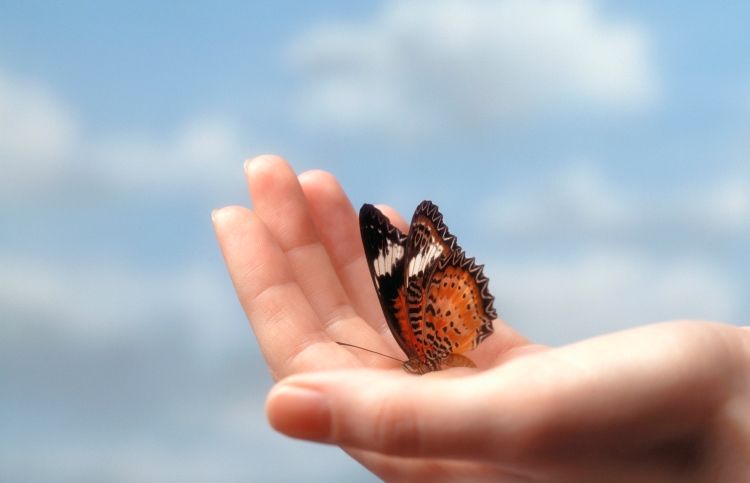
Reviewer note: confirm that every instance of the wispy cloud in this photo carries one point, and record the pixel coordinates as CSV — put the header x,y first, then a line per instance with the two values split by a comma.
x,y
427,67
99,304
38,134
45,147
202,154
564,300
580,201
597,255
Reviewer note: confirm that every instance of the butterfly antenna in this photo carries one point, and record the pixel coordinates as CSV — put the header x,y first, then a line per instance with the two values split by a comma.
x,y
368,350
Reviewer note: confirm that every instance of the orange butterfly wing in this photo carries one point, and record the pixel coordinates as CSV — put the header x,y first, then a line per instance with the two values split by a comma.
x,y
458,310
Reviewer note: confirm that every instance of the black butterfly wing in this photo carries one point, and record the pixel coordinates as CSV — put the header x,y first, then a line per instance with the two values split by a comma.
x,y
385,252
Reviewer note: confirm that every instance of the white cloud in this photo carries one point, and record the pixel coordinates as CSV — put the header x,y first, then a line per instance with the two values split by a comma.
x,y
421,66
38,132
630,257
582,202
563,301
579,198
44,148
100,304
203,154
727,205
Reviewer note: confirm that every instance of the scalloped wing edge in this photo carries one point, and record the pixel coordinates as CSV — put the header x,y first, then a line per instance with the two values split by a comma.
x,y
459,259
431,211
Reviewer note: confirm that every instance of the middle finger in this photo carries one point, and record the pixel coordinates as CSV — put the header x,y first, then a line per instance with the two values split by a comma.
x,y
279,201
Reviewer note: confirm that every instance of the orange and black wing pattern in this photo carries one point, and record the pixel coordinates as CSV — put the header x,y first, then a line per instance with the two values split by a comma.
x,y
384,246
435,299
457,308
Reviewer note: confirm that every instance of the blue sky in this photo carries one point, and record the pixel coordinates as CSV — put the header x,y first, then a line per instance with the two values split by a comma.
x,y
593,154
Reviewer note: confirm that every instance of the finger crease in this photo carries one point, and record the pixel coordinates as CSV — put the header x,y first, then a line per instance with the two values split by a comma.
x,y
303,346
357,260
269,289
302,246
339,313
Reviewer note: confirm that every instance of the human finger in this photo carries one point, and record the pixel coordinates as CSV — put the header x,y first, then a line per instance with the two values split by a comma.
x,y
390,413
287,328
401,468
279,201
337,225
586,405
394,217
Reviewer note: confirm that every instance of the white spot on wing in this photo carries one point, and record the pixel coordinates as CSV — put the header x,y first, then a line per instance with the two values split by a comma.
x,y
424,259
387,259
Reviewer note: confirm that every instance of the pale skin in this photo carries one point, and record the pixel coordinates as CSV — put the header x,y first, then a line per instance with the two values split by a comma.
x,y
662,402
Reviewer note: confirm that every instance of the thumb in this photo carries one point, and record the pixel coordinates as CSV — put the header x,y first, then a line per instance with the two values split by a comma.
x,y
390,412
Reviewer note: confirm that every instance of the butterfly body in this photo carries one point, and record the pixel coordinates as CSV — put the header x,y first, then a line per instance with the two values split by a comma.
x,y
436,300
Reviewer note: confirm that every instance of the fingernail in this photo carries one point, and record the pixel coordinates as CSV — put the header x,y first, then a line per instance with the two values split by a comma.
x,y
299,412
213,214
246,165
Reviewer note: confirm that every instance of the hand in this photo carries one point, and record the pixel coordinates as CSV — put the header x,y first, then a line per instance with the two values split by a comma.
x,y
667,402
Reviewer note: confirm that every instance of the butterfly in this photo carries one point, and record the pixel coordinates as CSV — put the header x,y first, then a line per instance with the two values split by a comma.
x,y
436,300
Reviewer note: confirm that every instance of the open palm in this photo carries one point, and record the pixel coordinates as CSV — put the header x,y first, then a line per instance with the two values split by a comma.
x,y
527,414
